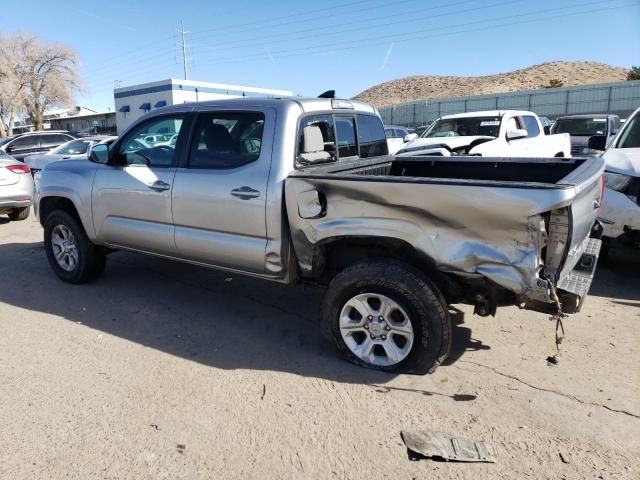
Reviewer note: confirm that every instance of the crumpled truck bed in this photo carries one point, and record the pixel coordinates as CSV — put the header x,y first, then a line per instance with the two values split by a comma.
x,y
467,227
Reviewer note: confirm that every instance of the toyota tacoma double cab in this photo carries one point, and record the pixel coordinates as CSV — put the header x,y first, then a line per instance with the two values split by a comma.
x,y
289,189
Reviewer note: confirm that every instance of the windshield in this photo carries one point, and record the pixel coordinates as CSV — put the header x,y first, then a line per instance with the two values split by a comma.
x,y
464,127
630,138
585,127
74,147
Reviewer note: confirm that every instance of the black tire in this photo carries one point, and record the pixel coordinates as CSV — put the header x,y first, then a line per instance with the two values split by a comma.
x,y
18,214
410,289
91,258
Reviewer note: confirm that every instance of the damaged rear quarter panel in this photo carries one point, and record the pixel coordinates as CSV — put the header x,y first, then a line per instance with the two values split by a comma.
x,y
467,229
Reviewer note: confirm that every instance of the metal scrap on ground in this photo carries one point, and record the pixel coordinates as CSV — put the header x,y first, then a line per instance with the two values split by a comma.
x,y
443,446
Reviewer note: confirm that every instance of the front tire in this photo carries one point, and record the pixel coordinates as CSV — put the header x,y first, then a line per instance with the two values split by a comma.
x,y
18,214
388,316
72,256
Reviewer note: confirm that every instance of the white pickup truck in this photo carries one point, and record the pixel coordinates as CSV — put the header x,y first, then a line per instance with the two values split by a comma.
x,y
505,133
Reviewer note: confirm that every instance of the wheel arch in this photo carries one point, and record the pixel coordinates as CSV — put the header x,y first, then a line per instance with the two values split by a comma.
x,y
335,254
48,204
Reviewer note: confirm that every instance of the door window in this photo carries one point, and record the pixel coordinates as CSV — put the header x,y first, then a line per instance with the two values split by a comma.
x,y
54,139
29,141
226,139
346,137
150,143
530,124
371,136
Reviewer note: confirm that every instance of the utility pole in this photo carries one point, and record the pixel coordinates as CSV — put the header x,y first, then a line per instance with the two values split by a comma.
x,y
183,46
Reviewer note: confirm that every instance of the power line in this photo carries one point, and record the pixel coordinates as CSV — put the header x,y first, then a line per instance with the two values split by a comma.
x,y
377,40
264,21
369,26
412,37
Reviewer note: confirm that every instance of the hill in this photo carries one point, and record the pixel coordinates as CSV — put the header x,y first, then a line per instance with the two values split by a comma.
x,y
434,86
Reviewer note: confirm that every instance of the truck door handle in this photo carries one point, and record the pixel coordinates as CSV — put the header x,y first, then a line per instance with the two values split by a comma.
x,y
159,186
245,193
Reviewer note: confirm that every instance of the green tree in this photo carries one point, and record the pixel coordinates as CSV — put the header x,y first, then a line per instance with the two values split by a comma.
x,y
554,83
634,73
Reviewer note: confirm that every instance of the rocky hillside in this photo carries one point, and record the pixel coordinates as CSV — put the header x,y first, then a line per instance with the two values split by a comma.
x,y
537,76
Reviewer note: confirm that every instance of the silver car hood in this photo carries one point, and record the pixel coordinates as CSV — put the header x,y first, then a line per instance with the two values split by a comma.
x,y
38,162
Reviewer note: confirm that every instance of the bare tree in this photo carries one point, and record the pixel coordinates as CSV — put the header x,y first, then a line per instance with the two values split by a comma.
x,y
34,76
12,87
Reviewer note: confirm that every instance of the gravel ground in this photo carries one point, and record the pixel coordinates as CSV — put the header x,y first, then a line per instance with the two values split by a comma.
x,y
162,370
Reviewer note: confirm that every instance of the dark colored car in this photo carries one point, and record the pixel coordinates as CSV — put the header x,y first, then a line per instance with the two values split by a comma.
x,y
25,144
583,127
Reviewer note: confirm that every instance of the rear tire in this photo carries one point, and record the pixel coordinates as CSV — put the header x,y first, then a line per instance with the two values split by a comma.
x,y
18,214
72,256
400,292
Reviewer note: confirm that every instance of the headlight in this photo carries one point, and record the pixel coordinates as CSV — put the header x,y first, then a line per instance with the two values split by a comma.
x,y
617,181
37,176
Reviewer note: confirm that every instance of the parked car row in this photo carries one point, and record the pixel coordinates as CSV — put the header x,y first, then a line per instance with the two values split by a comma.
x,y
501,133
24,144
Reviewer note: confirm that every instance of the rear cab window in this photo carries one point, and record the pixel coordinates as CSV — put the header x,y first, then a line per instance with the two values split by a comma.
x,y
331,137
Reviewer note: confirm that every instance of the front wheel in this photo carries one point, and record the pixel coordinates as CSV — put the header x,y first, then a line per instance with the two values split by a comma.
x,y
388,316
72,256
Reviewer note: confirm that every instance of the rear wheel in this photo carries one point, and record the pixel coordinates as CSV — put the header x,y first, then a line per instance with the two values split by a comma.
x,y
19,214
388,316
72,256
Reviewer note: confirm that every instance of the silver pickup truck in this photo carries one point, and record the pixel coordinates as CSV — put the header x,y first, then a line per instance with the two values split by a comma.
x,y
304,190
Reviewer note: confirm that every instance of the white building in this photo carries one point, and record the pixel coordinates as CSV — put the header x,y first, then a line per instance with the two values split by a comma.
x,y
136,100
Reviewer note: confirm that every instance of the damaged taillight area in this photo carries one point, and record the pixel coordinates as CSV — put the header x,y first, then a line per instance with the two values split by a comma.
x,y
558,226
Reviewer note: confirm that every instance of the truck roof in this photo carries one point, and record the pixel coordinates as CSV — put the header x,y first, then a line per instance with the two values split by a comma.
x,y
487,113
589,115
306,104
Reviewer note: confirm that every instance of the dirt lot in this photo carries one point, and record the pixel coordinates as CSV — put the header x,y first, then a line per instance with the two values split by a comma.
x,y
162,370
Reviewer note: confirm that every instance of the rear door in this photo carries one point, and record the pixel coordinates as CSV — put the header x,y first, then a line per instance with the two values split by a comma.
x,y
220,195
131,196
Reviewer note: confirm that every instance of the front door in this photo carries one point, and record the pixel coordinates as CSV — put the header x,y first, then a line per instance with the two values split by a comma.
x,y
132,193
220,195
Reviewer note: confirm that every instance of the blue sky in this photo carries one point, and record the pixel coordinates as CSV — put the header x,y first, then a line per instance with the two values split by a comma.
x,y
310,47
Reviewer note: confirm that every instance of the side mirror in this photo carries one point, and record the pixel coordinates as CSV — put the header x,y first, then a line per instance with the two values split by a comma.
x,y
409,136
614,131
516,134
10,149
547,130
597,142
99,154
